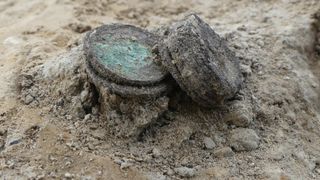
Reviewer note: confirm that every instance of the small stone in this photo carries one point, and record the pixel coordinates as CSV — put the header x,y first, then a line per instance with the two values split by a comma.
x,y
286,78
125,165
87,117
208,143
243,139
28,99
156,153
84,96
223,152
185,161
2,131
185,172
240,114
13,140
68,175
34,92
170,172
303,158
77,108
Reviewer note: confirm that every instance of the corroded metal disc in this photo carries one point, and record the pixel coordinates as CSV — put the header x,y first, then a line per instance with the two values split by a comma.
x,y
125,90
200,62
123,54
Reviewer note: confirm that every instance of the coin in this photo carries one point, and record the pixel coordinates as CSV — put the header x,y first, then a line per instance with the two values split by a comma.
x,y
119,59
123,54
200,62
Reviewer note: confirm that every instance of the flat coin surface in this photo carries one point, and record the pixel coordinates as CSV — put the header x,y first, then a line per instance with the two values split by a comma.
x,y
123,54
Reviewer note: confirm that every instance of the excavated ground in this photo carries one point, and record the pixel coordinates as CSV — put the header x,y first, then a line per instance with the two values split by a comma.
x,y
50,114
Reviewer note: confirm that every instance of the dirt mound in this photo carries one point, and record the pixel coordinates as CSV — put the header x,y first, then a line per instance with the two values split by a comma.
x,y
54,123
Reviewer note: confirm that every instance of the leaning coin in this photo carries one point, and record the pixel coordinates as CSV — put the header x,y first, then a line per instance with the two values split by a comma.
x,y
200,61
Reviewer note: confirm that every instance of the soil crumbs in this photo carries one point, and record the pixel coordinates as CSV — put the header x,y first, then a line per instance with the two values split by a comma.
x,y
50,114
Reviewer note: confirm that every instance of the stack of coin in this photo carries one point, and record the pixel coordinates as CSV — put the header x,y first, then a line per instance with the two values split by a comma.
x,y
119,58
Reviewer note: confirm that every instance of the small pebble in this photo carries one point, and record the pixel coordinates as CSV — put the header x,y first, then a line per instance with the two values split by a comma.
x,y
185,172
2,131
170,172
208,143
125,165
84,96
156,153
68,175
28,99
87,117
14,142
240,114
286,78
244,139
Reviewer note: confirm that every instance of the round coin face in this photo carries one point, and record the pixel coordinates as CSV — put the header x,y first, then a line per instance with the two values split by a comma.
x,y
123,54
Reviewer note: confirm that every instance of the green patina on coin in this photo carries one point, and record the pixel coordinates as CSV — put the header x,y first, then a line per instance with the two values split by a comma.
x,y
127,58
123,54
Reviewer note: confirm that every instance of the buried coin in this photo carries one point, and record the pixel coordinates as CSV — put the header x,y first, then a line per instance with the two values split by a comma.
x,y
119,59
200,62
123,54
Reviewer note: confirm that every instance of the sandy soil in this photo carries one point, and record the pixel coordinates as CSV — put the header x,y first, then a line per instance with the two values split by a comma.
x,y
46,133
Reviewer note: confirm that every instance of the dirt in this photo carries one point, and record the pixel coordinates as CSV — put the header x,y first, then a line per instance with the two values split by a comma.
x,y
51,116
